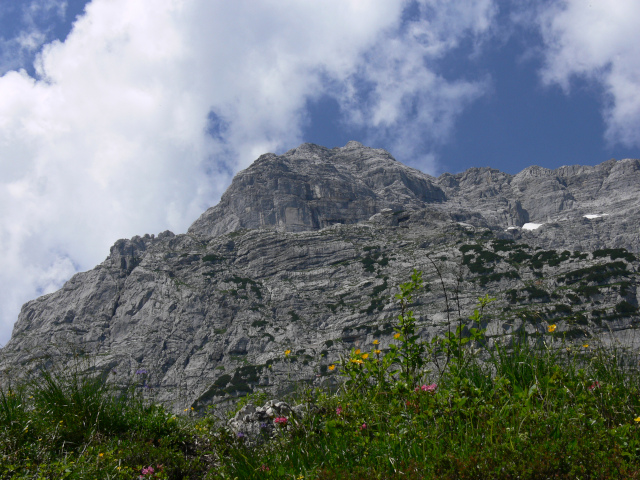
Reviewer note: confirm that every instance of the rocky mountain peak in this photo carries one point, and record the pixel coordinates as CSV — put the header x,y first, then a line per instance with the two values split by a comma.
x,y
311,187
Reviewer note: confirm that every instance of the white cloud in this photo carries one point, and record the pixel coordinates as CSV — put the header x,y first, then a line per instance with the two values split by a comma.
x,y
33,32
597,40
397,94
110,140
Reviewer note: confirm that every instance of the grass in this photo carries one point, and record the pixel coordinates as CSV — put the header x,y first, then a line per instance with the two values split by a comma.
x,y
459,407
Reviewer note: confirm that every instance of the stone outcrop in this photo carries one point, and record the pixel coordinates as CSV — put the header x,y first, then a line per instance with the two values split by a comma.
x,y
312,187
304,253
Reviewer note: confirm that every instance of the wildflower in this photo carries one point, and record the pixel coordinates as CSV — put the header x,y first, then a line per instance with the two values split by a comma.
x,y
363,426
101,454
332,367
397,335
376,342
358,352
637,419
263,425
429,388
551,328
365,356
240,435
358,361
338,410
586,345
148,471
287,352
281,421
378,352
141,371
594,386
264,468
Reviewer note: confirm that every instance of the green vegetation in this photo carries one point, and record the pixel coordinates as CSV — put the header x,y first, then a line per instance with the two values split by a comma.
x,y
374,256
614,253
212,258
597,273
550,258
460,406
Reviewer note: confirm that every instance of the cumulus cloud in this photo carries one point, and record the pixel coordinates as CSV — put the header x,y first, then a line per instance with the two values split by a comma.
x,y
31,19
397,94
597,41
137,121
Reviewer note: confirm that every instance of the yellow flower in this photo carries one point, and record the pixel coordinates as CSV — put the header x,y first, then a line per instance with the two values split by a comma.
x,y
397,335
358,352
378,352
186,409
287,352
358,361
376,342
365,356
332,367
101,454
586,345
637,419
552,328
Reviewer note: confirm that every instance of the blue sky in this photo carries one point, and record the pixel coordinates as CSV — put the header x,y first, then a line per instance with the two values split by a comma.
x,y
125,117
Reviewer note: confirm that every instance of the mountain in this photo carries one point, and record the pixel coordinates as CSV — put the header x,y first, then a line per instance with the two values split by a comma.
x,y
304,253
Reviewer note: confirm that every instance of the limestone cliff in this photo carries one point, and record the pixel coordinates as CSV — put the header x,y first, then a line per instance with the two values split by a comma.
x,y
304,252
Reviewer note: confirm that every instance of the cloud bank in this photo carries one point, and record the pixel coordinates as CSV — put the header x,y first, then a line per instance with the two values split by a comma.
x,y
597,41
136,121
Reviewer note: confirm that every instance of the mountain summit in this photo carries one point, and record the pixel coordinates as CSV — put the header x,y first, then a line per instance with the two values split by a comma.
x,y
312,187
303,253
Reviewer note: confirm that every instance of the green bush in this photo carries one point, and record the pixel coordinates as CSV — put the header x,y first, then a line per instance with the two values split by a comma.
x,y
625,308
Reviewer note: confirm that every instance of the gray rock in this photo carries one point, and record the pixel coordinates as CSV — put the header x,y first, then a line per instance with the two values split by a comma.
x,y
304,253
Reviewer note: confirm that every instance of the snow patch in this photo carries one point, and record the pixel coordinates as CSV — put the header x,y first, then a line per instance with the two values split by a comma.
x,y
531,226
592,216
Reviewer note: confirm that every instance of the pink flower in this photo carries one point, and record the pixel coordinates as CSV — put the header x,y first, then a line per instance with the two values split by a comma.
x,y
338,410
594,386
364,425
148,471
429,388
282,421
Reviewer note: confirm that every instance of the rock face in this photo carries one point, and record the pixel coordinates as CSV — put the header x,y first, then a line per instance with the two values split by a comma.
x,y
304,253
312,187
